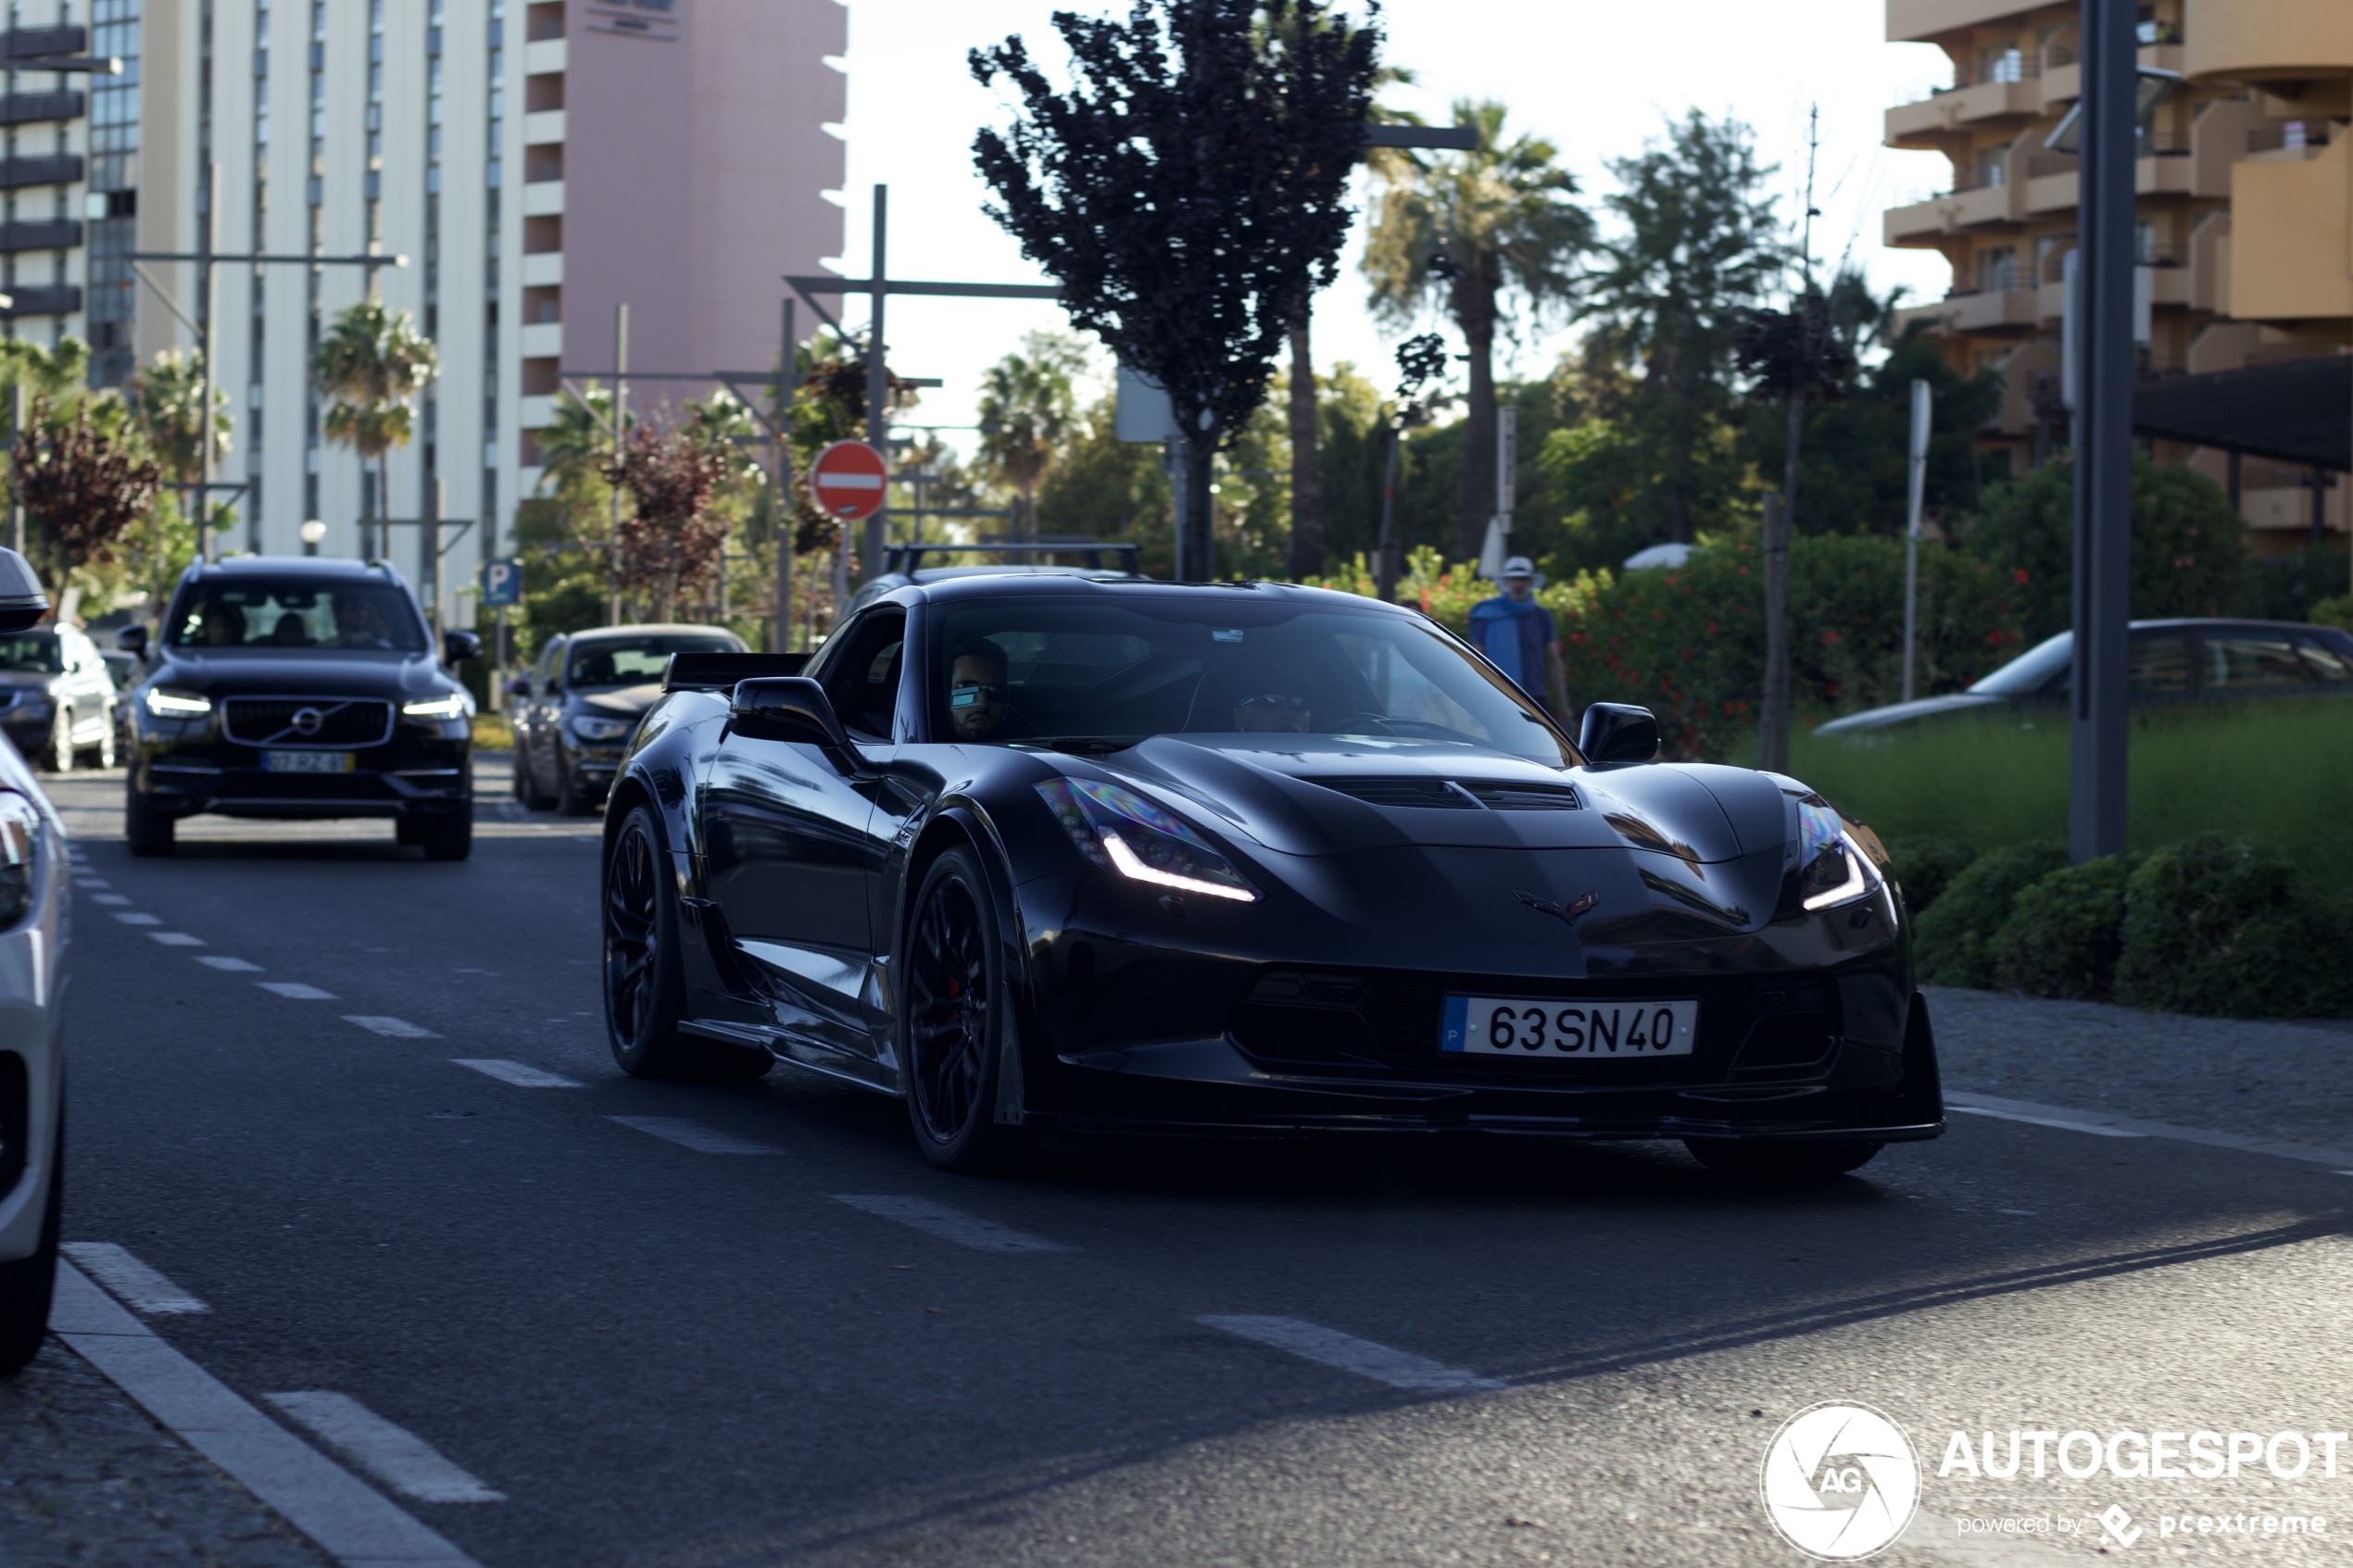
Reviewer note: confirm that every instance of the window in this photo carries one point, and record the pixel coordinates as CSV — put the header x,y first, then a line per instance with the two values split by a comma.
x,y
1997,268
31,652
290,613
862,681
2159,667
2250,662
2331,666
635,661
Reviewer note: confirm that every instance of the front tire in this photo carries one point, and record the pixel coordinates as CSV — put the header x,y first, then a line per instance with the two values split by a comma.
x,y
148,831
528,788
570,799
955,1023
447,838
27,1285
644,975
1776,1162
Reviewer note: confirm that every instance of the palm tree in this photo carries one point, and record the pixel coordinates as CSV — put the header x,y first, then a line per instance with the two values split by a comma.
x,y
1466,228
1027,411
165,399
372,361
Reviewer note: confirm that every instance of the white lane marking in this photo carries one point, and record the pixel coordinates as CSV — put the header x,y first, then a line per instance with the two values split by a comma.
x,y
950,1224
2315,1154
2072,1127
108,897
392,1454
517,1073
133,917
397,1028
140,1287
690,1135
218,961
354,1523
91,882
1399,1369
175,939
294,990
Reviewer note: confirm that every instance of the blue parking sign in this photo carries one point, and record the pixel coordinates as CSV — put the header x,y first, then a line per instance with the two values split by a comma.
x,y
501,582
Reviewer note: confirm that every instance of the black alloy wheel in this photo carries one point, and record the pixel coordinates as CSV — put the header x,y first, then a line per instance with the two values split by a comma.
x,y
645,988
1774,1161
954,1038
147,831
570,799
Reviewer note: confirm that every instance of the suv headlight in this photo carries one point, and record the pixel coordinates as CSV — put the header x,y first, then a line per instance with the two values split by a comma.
x,y
177,705
586,729
20,856
450,704
1121,830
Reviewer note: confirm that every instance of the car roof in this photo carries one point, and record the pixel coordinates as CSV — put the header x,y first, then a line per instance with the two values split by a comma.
x,y
652,629
323,567
1101,589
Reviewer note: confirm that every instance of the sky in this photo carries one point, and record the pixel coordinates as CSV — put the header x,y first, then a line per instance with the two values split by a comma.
x,y
1597,78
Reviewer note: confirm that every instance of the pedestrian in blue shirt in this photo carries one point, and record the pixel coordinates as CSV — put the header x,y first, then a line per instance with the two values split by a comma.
x,y
1517,636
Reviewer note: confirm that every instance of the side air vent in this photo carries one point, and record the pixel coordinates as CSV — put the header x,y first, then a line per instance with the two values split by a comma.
x,y
1514,796
1408,791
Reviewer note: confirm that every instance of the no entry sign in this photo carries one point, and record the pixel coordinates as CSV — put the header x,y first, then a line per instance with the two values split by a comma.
x,y
847,480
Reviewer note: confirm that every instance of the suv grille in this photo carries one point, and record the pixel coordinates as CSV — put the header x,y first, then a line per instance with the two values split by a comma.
x,y
293,721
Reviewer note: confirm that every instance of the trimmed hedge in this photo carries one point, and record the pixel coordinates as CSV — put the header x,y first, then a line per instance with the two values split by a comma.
x,y
2066,932
1954,939
1924,868
2219,925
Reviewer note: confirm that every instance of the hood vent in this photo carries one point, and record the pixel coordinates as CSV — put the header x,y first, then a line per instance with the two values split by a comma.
x,y
1462,795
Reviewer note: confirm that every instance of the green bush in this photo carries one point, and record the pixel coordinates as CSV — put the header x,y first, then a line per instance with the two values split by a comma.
x,y
2217,925
2338,612
2065,932
1924,868
1955,938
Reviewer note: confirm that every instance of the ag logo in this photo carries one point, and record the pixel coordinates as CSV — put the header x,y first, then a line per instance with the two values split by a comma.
x,y
1841,1481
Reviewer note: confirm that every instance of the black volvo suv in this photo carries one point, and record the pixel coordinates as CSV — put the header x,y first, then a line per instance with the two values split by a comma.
x,y
300,687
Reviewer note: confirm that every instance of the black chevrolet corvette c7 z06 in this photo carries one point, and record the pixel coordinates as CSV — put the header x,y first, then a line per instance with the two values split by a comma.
x,y
1244,860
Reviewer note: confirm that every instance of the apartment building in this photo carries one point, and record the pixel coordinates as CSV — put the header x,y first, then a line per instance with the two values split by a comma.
x,y
46,118
538,162
2241,217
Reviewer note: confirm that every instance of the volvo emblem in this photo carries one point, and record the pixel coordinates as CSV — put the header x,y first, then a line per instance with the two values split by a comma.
x,y
307,721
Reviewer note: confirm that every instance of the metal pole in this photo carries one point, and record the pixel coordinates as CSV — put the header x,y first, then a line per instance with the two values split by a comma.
x,y
1385,556
878,382
499,666
207,231
15,434
429,569
1772,729
620,418
2102,587
1920,397
786,382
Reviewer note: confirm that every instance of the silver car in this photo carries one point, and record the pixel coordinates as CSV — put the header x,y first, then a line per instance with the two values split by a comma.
x,y
58,698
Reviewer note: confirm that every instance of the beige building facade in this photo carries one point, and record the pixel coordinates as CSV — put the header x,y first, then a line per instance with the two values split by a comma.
x,y
2244,218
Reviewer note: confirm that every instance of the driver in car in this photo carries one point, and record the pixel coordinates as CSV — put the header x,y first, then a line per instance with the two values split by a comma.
x,y
1274,713
976,705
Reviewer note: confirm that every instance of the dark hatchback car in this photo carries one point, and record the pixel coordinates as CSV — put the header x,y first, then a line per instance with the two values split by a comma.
x,y
56,698
2169,662
299,688
575,707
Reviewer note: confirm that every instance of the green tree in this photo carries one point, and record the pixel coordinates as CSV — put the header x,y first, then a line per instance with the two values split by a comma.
x,y
1694,245
372,362
1472,229
1028,411
165,400
1106,488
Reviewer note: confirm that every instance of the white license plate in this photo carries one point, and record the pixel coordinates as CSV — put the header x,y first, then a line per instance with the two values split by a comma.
x,y
306,761
1526,1026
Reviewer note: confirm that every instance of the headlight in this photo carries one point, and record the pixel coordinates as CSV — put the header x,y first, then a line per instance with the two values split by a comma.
x,y
20,855
451,705
584,728
1832,869
1121,830
177,705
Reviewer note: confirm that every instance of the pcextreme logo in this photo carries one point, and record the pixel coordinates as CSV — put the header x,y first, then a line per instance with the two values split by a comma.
x,y
1839,1481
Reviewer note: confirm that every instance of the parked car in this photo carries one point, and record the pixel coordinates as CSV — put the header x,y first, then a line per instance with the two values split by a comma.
x,y
57,700
123,669
34,931
2169,662
573,709
1104,559
296,687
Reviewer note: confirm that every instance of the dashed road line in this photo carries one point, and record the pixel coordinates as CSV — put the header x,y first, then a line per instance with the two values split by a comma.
x,y
694,1136
294,990
950,1224
175,939
141,1287
219,960
518,1073
395,1028
137,917
1382,1364
109,898
392,1454
354,1523
2127,1126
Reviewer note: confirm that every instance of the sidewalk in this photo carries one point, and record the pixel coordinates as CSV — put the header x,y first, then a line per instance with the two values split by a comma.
x,y
2269,1079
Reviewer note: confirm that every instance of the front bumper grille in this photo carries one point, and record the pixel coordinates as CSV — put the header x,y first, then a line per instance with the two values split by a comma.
x,y
297,721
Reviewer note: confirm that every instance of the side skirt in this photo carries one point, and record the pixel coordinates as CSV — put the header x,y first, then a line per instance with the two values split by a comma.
x,y
796,1052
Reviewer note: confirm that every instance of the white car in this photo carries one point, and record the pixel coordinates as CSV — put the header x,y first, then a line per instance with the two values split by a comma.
x,y
35,922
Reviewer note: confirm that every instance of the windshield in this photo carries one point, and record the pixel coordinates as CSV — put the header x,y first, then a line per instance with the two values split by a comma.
x,y
35,652
292,613
2031,670
633,661
1099,676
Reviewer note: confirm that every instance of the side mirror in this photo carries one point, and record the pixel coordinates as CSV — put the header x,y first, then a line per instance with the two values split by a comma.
x,y
794,705
1614,731
22,603
459,646
133,640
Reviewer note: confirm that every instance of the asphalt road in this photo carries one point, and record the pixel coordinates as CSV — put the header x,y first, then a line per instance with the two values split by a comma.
x,y
660,1352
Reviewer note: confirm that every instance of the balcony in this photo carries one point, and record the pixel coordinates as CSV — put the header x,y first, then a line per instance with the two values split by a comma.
x,y
546,126
59,169
543,340
536,413
543,57
543,198
543,270
1976,310
56,233
2281,215
2267,41
1922,124
1966,207
31,41
2287,140
22,108
1918,21
43,299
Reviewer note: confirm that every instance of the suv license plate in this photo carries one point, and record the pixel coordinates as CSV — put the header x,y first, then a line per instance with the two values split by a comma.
x,y
1530,1026
306,761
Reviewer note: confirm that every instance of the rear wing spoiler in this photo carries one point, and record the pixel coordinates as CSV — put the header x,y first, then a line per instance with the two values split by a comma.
x,y
720,671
